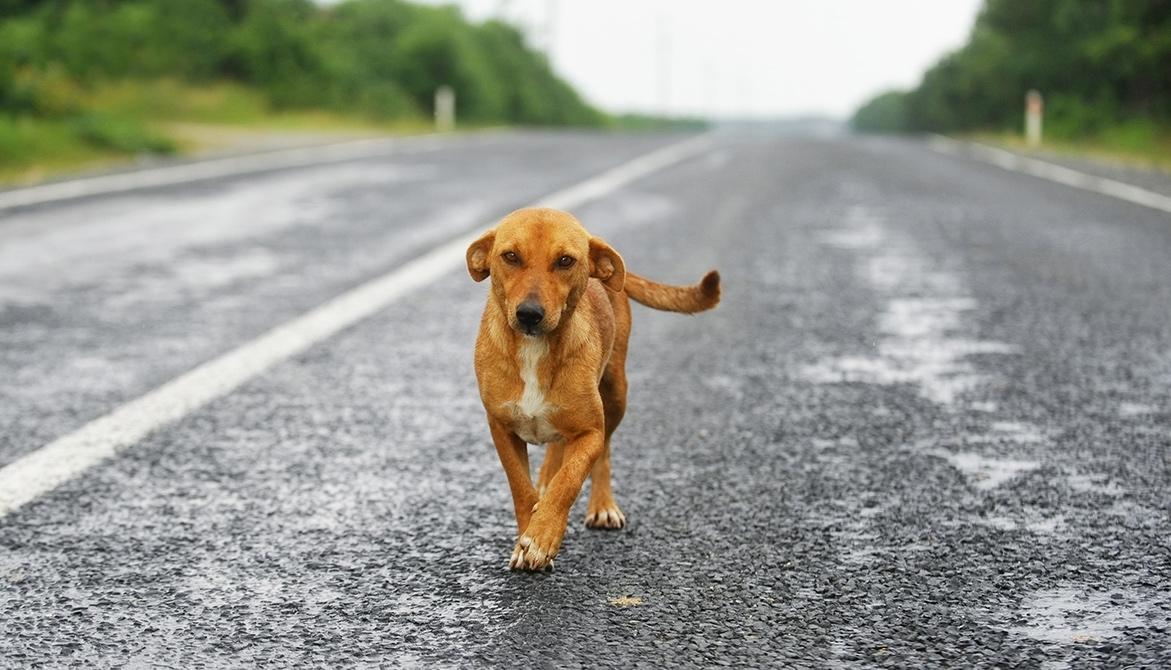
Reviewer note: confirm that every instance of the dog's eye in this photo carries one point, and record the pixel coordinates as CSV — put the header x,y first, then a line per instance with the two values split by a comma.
x,y
566,261
511,257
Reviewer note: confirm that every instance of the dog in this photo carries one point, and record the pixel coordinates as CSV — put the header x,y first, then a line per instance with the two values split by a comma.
x,y
550,363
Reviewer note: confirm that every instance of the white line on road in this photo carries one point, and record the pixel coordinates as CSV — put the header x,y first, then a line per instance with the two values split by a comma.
x,y
216,168
59,461
1056,173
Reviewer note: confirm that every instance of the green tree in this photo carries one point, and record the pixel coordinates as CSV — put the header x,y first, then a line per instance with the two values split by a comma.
x,y
438,49
1098,63
886,113
384,58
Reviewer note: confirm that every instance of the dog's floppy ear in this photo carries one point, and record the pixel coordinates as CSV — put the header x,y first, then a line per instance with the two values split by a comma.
x,y
606,265
478,255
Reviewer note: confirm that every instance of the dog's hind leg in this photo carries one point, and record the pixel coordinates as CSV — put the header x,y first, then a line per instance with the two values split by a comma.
x,y
554,453
603,512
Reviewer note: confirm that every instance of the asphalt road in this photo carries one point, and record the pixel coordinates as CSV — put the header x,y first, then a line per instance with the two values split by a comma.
x,y
929,425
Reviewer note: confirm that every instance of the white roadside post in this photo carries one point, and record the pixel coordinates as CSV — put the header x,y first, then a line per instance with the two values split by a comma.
x,y
1034,107
444,109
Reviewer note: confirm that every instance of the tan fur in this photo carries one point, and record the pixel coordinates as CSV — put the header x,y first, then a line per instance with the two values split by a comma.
x,y
559,379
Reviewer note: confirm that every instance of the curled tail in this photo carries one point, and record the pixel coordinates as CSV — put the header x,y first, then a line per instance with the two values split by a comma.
x,y
687,299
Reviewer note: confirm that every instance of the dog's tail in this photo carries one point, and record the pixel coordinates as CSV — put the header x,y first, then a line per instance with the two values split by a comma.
x,y
687,299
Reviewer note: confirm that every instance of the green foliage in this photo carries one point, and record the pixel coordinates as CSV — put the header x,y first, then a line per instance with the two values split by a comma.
x,y
645,122
379,58
886,113
358,41
121,134
532,93
272,47
171,100
31,147
1099,64
24,138
438,49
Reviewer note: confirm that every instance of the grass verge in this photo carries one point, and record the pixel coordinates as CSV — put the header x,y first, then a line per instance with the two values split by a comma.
x,y
119,123
1134,144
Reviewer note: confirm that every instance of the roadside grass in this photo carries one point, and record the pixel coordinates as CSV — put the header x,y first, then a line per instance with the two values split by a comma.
x,y
120,123
32,150
1134,144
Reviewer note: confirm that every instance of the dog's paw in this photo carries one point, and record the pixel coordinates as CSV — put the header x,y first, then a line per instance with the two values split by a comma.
x,y
609,517
531,555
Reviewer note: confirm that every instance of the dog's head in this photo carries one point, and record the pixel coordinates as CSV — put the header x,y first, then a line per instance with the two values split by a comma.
x,y
540,261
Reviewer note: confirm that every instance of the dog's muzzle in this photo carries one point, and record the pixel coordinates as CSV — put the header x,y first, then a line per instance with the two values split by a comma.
x,y
529,316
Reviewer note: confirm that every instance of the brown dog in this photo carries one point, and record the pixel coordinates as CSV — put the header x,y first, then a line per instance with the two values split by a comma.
x,y
550,361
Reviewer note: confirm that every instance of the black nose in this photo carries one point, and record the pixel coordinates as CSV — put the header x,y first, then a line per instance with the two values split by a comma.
x,y
530,314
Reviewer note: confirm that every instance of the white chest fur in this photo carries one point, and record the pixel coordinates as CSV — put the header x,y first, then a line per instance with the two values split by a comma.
x,y
530,414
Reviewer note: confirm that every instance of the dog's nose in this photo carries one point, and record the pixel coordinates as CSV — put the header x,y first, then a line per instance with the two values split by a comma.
x,y
530,314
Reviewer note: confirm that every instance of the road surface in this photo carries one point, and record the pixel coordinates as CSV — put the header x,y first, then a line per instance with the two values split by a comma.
x,y
929,425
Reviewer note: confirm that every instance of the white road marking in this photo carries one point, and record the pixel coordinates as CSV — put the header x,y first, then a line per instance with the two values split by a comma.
x,y
1055,173
216,168
612,180
43,470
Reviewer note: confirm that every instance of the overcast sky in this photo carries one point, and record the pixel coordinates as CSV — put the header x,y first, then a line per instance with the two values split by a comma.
x,y
760,58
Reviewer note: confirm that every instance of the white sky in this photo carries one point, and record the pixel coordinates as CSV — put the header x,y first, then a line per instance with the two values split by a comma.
x,y
756,58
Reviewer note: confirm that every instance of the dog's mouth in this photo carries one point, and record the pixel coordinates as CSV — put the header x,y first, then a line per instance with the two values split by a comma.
x,y
534,330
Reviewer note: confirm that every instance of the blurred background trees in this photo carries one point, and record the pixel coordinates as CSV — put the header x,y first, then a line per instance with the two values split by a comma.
x,y
378,59
382,57
1104,66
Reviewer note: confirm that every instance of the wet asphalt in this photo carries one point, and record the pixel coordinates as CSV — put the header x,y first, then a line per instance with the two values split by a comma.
x,y
929,425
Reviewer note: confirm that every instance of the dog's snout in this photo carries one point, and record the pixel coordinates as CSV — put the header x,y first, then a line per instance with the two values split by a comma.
x,y
530,314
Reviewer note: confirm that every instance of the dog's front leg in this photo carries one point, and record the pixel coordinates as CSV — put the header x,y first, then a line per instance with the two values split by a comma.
x,y
514,456
539,543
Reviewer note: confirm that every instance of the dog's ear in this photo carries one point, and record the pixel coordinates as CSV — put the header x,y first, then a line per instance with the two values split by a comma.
x,y
478,255
606,265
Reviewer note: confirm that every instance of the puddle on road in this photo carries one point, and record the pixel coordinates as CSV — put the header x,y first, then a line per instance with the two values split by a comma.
x,y
920,343
1010,431
1132,409
1034,523
1098,484
988,473
1073,615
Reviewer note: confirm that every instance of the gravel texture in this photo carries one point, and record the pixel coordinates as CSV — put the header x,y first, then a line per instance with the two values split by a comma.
x,y
929,425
